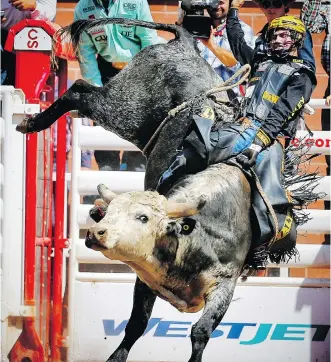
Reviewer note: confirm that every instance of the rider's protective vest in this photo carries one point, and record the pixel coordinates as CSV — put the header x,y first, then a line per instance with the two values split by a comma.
x,y
267,85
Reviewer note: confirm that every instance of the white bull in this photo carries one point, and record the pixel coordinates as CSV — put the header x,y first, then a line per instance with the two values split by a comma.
x,y
188,249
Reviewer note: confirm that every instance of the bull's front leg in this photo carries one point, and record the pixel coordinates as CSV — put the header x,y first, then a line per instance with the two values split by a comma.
x,y
73,99
216,304
143,302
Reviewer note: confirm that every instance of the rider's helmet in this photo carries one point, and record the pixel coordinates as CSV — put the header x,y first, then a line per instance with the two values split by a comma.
x,y
297,32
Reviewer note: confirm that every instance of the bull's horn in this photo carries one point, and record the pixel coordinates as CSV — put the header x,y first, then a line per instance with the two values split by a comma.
x,y
105,193
182,209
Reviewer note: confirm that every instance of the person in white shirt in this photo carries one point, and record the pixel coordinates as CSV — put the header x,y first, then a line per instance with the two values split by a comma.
x,y
223,61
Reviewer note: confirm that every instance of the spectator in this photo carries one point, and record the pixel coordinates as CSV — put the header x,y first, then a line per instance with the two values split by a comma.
x,y
14,12
106,50
217,49
316,16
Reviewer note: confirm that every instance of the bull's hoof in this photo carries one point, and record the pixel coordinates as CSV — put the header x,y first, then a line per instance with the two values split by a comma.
x,y
26,126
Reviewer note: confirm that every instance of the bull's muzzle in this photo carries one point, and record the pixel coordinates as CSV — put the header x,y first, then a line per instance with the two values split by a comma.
x,y
92,242
89,239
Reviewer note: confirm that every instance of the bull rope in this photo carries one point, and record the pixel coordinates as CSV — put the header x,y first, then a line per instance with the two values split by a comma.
x,y
244,71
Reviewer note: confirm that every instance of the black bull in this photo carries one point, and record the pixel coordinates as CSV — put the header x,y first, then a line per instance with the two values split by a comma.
x,y
132,105
137,100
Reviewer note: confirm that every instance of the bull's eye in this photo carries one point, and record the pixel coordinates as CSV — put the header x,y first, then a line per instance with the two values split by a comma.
x,y
101,232
143,218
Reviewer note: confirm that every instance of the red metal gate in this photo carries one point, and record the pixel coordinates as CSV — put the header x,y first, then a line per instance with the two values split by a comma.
x,y
41,338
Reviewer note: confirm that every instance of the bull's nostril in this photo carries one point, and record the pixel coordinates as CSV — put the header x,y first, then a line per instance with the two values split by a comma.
x,y
101,232
89,239
88,243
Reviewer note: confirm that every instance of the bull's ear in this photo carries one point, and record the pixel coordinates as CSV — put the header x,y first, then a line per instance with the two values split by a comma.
x,y
182,226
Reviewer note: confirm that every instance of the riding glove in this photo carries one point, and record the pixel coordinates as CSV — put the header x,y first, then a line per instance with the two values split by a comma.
x,y
249,156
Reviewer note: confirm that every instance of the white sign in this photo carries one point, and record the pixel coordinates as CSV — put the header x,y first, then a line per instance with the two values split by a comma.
x,y
31,38
263,324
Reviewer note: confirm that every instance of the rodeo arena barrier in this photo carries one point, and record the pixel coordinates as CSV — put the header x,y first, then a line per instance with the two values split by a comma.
x,y
63,302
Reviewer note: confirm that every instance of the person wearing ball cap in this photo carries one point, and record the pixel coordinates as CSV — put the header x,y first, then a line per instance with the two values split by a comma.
x,y
272,9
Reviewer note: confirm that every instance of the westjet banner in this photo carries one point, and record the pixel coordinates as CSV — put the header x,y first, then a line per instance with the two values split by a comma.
x,y
262,331
269,324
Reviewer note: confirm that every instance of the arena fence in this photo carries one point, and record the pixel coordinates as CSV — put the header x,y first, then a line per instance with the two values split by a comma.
x,y
107,292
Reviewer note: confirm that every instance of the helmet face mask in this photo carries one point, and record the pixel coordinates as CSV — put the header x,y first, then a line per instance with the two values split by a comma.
x,y
285,35
282,42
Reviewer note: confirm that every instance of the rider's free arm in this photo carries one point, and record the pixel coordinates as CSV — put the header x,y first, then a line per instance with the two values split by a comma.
x,y
239,47
306,52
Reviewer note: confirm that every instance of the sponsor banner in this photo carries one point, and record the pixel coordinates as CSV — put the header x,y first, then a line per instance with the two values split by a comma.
x,y
158,327
262,324
320,141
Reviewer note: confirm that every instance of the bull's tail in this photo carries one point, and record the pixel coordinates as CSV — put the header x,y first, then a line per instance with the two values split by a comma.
x,y
75,30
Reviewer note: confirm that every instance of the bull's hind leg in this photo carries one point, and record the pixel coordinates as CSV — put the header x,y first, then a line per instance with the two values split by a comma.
x,y
143,302
73,99
217,303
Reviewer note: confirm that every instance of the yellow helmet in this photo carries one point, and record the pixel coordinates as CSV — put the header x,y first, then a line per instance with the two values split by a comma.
x,y
288,22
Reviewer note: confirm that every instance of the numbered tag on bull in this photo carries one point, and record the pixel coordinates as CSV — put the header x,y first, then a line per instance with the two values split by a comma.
x,y
207,112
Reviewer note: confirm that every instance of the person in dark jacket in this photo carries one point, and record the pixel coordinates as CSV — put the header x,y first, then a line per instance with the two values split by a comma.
x,y
285,36
279,86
